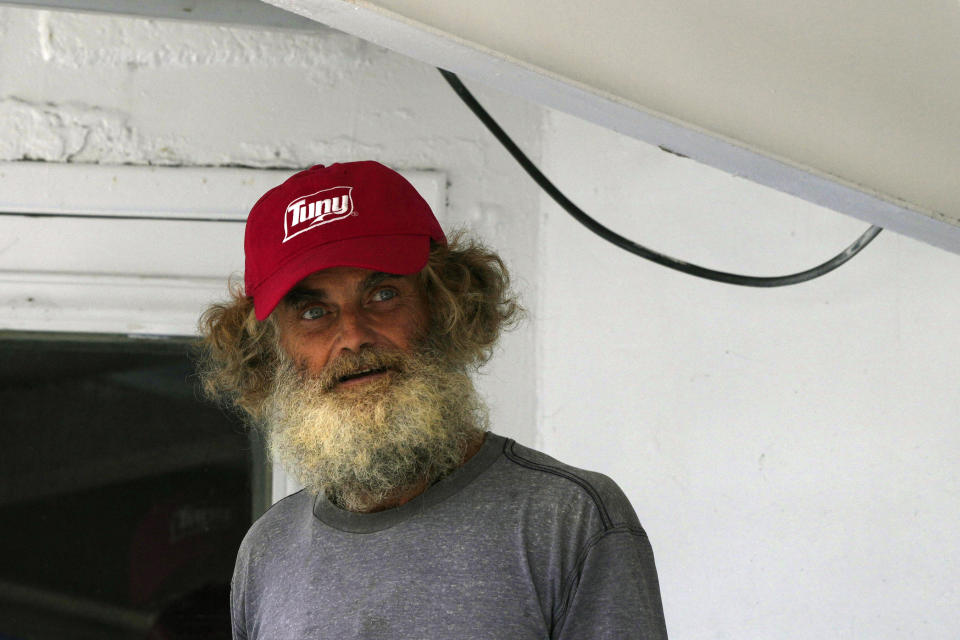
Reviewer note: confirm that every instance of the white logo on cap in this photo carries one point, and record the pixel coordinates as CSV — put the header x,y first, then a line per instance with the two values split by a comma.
x,y
315,209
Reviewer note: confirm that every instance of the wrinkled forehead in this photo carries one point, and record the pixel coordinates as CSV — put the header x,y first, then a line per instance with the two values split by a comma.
x,y
345,281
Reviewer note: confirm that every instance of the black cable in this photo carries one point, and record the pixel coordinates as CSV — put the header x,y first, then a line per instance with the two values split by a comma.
x,y
630,245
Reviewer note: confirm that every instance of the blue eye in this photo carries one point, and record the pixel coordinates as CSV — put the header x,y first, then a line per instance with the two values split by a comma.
x,y
382,295
313,313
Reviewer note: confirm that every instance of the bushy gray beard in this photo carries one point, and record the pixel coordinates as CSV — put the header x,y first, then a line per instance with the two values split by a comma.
x,y
364,443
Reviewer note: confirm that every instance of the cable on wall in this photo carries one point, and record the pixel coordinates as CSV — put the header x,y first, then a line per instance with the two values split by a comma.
x,y
631,246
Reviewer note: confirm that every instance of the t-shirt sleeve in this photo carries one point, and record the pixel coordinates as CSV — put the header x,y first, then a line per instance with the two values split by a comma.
x,y
615,594
237,617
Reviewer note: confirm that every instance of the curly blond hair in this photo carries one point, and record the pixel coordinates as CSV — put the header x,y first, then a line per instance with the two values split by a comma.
x,y
467,287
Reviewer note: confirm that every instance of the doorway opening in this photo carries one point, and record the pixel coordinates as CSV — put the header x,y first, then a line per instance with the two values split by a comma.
x,y
123,495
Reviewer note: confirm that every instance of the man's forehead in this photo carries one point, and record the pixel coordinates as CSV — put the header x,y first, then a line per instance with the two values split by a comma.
x,y
322,284
344,275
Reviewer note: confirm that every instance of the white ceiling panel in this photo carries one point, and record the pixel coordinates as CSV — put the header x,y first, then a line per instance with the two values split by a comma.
x,y
849,105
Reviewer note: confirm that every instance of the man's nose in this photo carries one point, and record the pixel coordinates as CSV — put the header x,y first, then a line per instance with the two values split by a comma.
x,y
355,330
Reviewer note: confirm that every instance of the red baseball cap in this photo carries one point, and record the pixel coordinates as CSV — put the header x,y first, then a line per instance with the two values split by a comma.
x,y
353,214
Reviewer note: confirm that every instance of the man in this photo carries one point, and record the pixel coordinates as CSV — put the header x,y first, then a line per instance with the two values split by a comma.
x,y
352,346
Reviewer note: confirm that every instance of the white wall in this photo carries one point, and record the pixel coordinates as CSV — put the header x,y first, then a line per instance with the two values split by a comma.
x,y
117,90
792,452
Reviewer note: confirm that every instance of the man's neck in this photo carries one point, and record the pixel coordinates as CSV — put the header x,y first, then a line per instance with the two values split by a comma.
x,y
406,494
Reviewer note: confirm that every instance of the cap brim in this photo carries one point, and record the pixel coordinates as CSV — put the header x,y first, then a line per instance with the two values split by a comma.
x,y
399,254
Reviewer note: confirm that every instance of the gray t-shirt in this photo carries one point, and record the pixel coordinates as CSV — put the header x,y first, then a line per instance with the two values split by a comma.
x,y
512,545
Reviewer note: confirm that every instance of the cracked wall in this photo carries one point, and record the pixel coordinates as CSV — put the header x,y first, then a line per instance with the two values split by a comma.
x,y
53,132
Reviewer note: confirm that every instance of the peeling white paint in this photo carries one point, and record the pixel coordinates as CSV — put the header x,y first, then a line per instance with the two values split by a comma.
x,y
138,42
59,133
80,133
84,133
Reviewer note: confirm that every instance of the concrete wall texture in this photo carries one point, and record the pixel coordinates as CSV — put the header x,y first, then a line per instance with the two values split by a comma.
x,y
792,452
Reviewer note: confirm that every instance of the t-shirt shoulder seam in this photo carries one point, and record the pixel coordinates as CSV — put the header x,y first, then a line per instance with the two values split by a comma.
x,y
588,546
276,504
510,452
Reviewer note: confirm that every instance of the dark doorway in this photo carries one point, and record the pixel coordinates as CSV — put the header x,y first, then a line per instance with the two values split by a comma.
x,y
123,495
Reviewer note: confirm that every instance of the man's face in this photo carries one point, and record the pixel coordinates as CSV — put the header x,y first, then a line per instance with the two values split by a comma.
x,y
360,409
343,310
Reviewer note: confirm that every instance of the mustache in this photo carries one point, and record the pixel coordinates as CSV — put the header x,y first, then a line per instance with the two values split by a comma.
x,y
366,360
